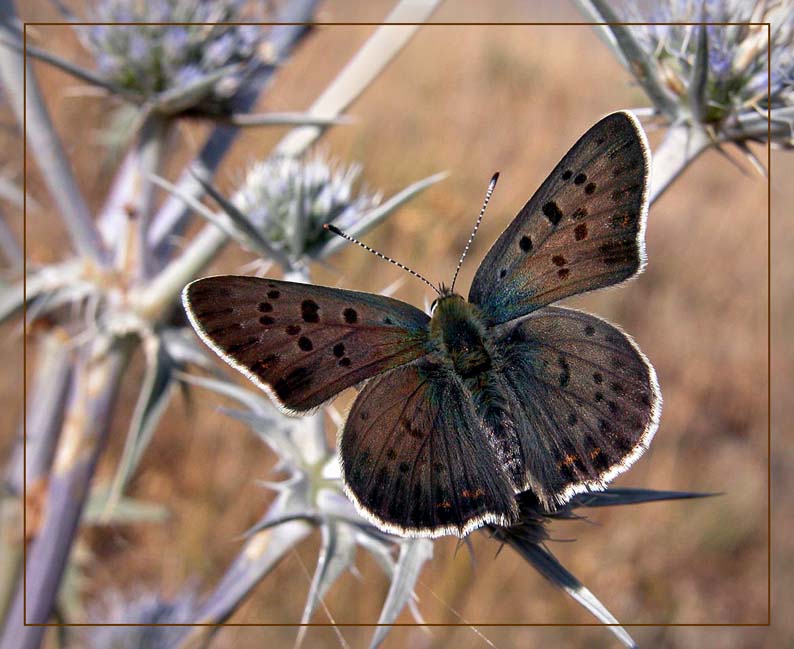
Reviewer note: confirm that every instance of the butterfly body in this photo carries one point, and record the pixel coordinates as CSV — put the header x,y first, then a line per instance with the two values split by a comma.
x,y
487,397
457,330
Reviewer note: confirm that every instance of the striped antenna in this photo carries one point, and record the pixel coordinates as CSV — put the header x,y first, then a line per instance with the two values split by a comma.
x,y
345,235
488,193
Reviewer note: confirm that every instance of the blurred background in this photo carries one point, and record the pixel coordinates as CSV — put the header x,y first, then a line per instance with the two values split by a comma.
x,y
472,100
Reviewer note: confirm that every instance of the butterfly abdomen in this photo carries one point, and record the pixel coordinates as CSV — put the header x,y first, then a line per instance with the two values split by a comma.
x,y
460,335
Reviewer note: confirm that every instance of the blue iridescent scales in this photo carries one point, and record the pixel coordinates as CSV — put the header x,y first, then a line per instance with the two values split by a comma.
x,y
486,398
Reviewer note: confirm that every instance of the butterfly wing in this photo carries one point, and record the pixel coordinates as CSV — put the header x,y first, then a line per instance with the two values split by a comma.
x,y
583,401
415,458
583,229
303,343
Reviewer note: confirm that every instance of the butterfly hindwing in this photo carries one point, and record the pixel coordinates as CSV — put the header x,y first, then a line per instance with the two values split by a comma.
x,y
415,458
582,230
584,402
303,343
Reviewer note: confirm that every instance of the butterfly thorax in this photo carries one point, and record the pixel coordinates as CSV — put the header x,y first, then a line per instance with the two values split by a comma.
x,y
458,331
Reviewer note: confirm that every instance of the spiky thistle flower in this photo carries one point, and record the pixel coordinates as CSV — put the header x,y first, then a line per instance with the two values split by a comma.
x,y
288,200
724,77
174,67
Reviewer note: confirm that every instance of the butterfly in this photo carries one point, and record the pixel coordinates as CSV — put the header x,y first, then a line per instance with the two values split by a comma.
x,y
485,398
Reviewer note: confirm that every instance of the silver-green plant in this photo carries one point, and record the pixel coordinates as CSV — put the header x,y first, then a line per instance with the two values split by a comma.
x,y
717,72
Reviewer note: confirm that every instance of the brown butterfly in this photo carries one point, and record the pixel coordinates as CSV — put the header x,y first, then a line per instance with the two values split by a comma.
x,y
485,398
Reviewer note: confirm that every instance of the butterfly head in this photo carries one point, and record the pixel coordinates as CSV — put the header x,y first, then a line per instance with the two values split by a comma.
x,y
445,294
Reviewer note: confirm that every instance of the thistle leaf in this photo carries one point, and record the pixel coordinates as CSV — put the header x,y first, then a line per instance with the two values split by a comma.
x,y
548,566
152,401
413,555
640,63
629,496
337,553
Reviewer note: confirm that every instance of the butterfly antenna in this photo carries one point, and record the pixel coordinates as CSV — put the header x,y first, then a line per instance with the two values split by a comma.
x,y
488,193
345,235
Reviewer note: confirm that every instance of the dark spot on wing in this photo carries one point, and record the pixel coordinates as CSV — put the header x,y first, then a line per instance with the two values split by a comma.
x,y
502,273
580,231
579,213
305,344
297,379
388,321
565,374
242,346
589,330
604,426
599,459
559,260
589,188
345,362
622,220
598,377
265,307
310,311
617,388
645,399
266,320
293,330
364,415
214,313
525,243
580,179
225,330
391,454
613,407
339,350
261,366
552,212
618,252
599,396
567,174
273,294
624,443
350,315
564,272
404,467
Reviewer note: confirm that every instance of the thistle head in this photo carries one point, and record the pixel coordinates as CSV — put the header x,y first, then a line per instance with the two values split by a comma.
x,y
288,200
175,67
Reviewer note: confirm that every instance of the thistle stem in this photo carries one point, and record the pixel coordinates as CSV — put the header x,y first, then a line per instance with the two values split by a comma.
x,y
85,431
681,146
44,413
19,81
148,159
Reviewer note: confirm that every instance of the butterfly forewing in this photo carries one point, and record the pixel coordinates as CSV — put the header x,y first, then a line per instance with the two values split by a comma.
x,y
303,343
415,458
584,401
582,230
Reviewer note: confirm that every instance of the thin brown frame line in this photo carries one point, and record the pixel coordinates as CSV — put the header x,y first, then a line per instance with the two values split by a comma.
x,y
390,24
188,625
769,320
429,624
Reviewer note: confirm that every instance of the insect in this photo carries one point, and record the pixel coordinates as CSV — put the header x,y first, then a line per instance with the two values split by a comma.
x,y
485,398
